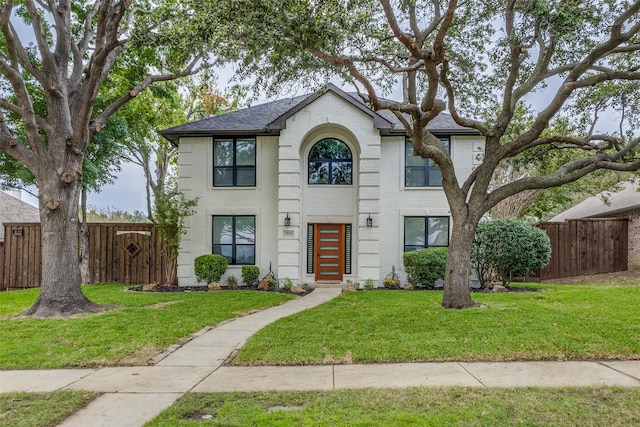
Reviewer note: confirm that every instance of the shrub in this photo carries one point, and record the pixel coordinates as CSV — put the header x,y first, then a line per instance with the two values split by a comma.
x,y
210,267
369,284
250,274
509,247
232,282
425,266
287,284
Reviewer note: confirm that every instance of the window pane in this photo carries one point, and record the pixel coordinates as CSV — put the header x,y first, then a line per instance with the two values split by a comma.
x,y
224,250
435,175
245,254
223,152
414,231
318,173
341,172
222,230
409,158
245,229
245,152
330,149
330,163
246,177
223,177
438,231
421,172
415,177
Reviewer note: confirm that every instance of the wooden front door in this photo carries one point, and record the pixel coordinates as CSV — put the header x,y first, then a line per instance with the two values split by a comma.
x,y
329,251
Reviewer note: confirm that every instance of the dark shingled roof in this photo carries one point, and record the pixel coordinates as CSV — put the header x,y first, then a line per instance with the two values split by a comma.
x,y
270,118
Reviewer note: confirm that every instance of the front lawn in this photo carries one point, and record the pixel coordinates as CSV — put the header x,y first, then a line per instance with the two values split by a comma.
x,y
601,406
146,324
561,322
40,409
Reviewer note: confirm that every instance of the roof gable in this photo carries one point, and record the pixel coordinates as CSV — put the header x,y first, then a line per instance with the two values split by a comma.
x,y
379,122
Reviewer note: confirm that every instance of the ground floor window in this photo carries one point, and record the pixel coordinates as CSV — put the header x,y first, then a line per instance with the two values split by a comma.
x,y
425,232
234,237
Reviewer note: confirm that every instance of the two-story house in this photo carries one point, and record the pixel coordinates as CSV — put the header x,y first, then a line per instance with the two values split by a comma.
x,y
319,187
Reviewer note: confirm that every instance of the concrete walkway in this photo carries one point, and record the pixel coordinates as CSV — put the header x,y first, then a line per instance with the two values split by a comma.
x,y
134,395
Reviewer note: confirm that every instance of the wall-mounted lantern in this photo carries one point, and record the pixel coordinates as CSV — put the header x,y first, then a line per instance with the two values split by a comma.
x,y
287,220
369,221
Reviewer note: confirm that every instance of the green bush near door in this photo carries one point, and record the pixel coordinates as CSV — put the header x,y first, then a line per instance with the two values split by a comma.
x,y
210,267
425,266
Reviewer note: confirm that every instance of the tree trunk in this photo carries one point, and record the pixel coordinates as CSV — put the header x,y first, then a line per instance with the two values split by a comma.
x,y
457,293
60,288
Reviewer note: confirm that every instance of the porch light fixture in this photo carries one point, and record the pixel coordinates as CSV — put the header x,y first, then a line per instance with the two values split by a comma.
x,y
287,220
369,221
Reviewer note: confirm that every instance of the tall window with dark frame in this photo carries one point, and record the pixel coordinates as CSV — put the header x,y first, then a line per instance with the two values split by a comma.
x,y
234,162
419,172
330,162
425,232
234,237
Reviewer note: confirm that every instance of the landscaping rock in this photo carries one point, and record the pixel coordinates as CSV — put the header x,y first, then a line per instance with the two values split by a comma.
x,y
499,288
408,287
349,288
214,287
263,285
438,284
150,287
297,290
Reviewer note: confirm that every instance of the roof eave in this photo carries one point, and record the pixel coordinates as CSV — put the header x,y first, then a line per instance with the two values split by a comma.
x,y
174,136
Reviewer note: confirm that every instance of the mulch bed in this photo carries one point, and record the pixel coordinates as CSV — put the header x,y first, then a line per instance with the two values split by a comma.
x,y
168,288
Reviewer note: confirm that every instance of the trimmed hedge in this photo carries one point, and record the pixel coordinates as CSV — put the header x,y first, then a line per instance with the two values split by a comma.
x,y
210,267
425,266
506,248
250,274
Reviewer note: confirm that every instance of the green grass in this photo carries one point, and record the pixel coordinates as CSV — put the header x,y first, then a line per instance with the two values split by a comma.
x,y
40,409
563,322
146,324
410,407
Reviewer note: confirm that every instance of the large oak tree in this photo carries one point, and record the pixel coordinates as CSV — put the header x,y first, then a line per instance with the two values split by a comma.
x,y
54,58
478,60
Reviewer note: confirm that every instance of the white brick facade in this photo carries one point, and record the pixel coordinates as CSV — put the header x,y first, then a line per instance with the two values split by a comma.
x,y
282,189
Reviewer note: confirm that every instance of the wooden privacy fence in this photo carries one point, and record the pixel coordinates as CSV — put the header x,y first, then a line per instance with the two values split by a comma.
x,y
1,262
126,253
586,246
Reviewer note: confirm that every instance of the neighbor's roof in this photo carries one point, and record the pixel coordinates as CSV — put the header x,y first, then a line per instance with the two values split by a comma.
x,y
270,118
15,210
627,199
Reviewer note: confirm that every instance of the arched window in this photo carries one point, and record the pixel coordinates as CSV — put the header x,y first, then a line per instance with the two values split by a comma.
x,y
330,162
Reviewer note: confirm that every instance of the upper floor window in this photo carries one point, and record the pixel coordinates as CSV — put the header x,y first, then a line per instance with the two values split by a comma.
x,y
425,232
419,172
330,162
234,237
234,162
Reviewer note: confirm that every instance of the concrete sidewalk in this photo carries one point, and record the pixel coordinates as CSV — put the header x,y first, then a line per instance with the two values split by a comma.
x,y
134,395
